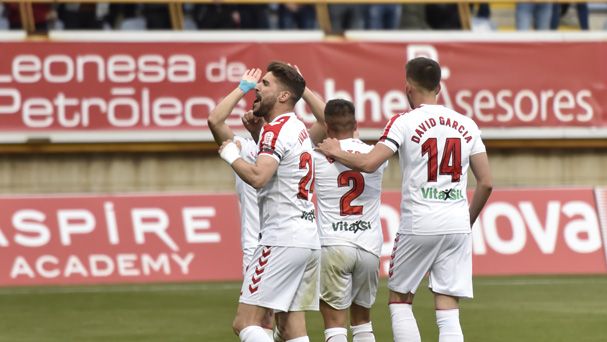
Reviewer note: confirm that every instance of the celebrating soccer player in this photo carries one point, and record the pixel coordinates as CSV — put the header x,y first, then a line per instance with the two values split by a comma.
x,y
436,146
284,274
350,232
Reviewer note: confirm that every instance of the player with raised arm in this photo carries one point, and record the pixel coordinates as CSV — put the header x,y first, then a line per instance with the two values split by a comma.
x,y
247,195
350,232
436,145
284,274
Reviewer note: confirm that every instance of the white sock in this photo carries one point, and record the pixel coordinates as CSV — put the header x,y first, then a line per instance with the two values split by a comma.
x,y
336,335
299,339
449,329
254,333
363,333
404,325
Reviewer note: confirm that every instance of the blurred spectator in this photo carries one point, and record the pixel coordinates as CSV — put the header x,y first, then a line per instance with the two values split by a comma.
x,y
254,17
295,16
79,16
44,16
3,19
443,17
157,16
216,16
382,17
533,15
559,11
346,17
481,19
413,17
125,17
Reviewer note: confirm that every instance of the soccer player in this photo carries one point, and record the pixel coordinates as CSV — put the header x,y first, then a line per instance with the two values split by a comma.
x,y
350,232
436,146
284,274
247,195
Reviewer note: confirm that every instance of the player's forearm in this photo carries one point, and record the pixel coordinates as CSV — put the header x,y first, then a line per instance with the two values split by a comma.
x,y
250,173
317,105
356,161
480,197
218,116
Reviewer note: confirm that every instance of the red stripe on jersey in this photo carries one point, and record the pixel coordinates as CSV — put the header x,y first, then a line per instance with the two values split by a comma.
x,y
389,125
267,143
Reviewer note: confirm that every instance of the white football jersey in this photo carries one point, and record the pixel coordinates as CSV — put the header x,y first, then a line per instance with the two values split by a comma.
x,y
247,197
348,201
434,144
286,211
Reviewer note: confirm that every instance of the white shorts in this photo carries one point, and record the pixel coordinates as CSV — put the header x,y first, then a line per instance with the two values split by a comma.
x,y
283,279
247,257
447,257
348,275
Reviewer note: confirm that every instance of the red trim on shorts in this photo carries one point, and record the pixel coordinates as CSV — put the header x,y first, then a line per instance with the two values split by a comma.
x,y
262,261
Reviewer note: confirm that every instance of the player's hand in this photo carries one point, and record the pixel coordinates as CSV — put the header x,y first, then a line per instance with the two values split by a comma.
x,y
230,151
252,75
296,68
252,123
329,147
250,79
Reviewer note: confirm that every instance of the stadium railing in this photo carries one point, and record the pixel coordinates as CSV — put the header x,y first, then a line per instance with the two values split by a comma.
x,y
322,10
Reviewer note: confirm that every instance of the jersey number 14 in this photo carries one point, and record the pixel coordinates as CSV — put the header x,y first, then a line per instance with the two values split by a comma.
x,y
451,161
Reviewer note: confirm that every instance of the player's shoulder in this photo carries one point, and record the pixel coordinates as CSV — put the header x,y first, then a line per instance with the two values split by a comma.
x,y
461,118
355,145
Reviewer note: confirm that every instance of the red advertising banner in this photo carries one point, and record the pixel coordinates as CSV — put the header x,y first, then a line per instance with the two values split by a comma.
x,y
539,231
115,239
169,238
117,88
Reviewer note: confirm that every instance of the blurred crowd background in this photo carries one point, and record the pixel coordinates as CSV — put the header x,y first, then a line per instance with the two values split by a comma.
x,y
486,17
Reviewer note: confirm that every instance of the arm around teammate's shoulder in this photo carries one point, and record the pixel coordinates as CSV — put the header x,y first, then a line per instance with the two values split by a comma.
x,y
479,164
365,162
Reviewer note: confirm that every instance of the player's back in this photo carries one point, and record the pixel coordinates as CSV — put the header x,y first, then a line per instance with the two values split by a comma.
x,y
434,144
286,211
348,201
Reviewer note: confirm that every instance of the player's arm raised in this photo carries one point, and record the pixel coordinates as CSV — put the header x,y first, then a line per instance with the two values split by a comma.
x,y
217,118
479,164
256,175
365,162
317,131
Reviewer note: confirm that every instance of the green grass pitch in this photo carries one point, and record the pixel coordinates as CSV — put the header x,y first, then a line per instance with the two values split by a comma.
x,y
537,308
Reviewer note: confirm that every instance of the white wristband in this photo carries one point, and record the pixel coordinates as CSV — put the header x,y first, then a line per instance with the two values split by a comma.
x,y
230,153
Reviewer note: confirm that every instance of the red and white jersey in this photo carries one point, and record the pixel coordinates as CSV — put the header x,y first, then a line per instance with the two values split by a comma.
x,y
348,201
434,144
286,211
247,197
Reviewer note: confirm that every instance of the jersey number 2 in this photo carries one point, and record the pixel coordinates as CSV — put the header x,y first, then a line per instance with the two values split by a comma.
x,y
451,162
358,186
305,162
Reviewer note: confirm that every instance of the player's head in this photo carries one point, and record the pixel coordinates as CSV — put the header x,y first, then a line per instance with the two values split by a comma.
x,y
340,118
423,79
281,86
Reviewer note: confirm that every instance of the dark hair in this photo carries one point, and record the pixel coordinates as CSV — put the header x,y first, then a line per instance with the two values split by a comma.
x,y
290,78
424,72
339,115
